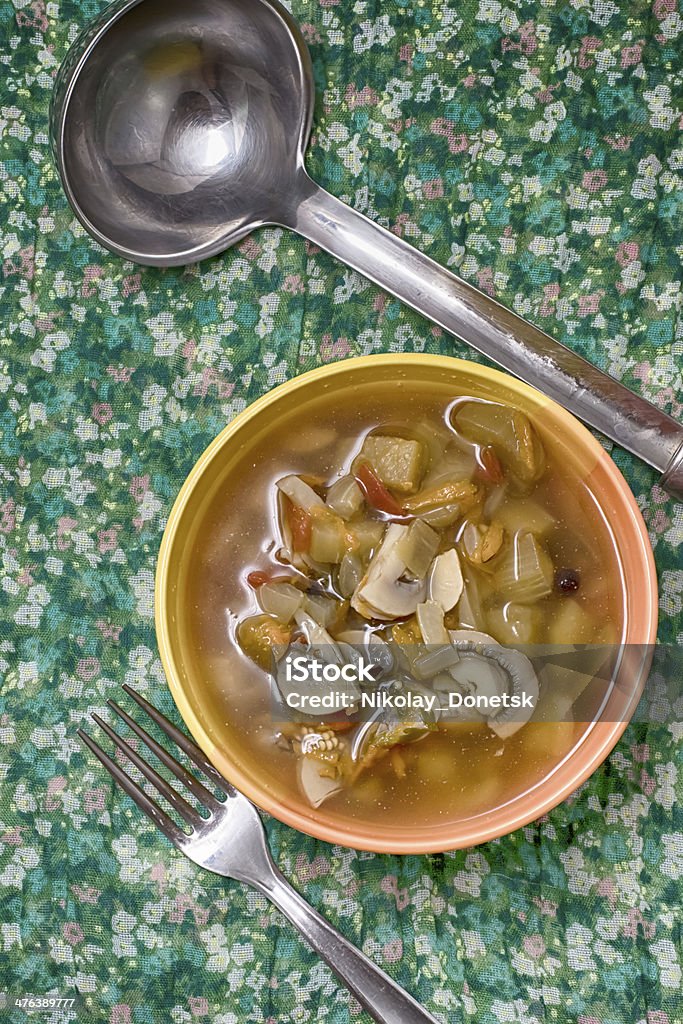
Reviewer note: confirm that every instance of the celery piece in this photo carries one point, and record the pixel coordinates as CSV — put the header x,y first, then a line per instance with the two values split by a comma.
x,y
396,461
326,611
345,497
280,599
328,538
367,536
350,573
526,573
514,623
525,515
508,430
418,547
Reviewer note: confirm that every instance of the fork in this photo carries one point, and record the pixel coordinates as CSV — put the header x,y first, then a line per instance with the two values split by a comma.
x,y
231,841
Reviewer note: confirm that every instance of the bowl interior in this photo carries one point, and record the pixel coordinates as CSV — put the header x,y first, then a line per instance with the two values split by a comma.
x,y
229,454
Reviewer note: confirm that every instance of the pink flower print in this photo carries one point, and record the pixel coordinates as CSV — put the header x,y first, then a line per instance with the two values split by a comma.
x,y
551,293
88,668
593,181
90,275
406,53
589,304
107,540
365,97
661,10
546,907
139,486
181,904
212,378
398,228
331,351
73,933
433,189
131,285
457,142
199,1006
640,751
22,263
626,253
8,518
86,893
589,44
485,281
120,1014
13,835
389,885
634,920
56,784
293,284
534,946
631,55
527,44
121,374
37,18
64,527
108,631
393,951
250,248
310,33
469,81
660,521
102,412
619,142
657,1017
93,800
307,872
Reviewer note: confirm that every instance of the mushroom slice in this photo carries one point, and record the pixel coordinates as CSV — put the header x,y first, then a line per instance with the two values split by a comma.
x,y
445,582
316,787
383,591
500,670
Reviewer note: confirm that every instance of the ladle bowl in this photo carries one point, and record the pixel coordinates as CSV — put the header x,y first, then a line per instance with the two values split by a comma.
x,y
178,129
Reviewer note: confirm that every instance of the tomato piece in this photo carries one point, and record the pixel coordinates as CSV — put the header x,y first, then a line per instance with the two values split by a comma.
x,y
300,525
375,491
257,578
489,466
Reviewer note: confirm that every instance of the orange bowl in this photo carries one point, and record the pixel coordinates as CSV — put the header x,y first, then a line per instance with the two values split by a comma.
x,y
573,441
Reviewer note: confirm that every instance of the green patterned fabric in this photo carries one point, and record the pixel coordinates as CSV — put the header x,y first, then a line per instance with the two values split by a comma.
x,y
533,147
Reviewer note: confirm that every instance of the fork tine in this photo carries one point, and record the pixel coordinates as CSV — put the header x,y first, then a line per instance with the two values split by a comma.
x,y
185,810
151,809
198,790
181,740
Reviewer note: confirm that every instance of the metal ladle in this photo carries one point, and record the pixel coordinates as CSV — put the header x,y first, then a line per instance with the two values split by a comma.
x,y
179,128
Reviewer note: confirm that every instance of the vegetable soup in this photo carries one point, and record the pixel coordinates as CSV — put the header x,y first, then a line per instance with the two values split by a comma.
x,y
438,532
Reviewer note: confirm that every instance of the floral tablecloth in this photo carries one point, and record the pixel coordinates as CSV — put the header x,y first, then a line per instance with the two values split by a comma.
x,y
535,148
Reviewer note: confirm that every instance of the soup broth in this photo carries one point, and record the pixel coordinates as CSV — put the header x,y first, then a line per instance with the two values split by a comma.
x,y
495,497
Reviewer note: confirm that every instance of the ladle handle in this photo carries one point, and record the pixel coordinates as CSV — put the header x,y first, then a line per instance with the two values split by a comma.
x,y
507,339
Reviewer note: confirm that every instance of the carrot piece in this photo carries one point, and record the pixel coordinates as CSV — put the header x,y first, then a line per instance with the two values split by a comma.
x,y
375,491
257,578
489,466
300,525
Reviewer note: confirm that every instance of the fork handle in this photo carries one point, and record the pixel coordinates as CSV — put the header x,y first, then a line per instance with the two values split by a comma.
x,y
383,999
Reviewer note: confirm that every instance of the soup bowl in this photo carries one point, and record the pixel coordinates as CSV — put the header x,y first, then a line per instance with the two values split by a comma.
x,y
229,454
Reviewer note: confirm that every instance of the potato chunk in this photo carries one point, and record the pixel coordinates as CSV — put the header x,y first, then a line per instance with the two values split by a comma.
x,y
396,461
